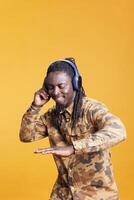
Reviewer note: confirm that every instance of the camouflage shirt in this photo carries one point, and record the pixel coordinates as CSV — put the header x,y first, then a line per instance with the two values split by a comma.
x,y
87,174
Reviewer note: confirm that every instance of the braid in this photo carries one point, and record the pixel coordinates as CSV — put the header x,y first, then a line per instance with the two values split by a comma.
x,y
56,117
77,106
80,93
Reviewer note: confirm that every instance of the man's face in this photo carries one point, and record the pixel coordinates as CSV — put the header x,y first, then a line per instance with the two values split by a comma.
x,y
59,87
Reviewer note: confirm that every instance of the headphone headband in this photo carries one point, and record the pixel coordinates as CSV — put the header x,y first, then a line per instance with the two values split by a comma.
x,y
72,65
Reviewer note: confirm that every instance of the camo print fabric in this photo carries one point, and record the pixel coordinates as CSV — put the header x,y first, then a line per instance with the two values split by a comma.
x,y
87,174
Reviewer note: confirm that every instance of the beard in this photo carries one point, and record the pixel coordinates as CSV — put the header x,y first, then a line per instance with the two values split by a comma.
x,y
59,108
56,116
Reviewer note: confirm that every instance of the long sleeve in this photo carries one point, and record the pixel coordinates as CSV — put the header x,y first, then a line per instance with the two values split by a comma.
x,y
32,126
109,130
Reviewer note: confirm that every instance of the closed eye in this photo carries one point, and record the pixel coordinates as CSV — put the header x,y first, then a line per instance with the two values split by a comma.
x,y
61,86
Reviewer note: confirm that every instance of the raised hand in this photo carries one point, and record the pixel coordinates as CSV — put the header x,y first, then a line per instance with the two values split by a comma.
x,y
41,97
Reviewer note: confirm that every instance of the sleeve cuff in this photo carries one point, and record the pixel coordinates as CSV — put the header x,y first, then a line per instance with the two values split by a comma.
x,y
33,109
79,146
87,145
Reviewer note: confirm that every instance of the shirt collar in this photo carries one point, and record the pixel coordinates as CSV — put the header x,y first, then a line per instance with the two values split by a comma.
x,y
69,109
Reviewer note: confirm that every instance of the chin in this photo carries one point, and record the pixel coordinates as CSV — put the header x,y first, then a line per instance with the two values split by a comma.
x,y
60,107
60,104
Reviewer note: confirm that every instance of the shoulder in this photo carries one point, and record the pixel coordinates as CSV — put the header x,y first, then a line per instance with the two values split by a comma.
x,y
93,109
49,111
91,104
48,114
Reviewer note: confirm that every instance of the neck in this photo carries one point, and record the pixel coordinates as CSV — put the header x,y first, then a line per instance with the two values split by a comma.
x,y
71,100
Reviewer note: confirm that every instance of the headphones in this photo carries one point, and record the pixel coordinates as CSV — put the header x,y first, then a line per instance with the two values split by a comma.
x,y
77,78
76,81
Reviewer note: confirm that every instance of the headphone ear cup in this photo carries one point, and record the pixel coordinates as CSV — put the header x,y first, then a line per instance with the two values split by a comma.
x,y
76,83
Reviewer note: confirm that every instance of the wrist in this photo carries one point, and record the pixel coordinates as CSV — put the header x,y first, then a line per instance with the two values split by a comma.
x,y
72,149
35,107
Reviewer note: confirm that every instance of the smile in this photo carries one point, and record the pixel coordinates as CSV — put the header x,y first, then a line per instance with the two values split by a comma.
x,y
58,99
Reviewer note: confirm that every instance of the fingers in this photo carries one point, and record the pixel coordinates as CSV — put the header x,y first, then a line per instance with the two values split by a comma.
x,y
59,151
45,151
41,97
42,93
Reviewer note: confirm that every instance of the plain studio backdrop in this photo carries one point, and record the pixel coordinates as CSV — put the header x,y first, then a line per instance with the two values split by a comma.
x,y
100,36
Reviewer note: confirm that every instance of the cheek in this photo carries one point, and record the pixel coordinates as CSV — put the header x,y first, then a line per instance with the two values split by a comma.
x,y
65,91
68,90
68,93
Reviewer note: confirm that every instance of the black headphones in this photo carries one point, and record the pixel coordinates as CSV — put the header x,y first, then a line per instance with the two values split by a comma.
x,y
76,79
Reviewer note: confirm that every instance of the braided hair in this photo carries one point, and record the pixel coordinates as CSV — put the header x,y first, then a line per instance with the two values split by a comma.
x,y
80,93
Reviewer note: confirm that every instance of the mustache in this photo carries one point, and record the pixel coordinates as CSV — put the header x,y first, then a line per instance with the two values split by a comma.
x,y
55,96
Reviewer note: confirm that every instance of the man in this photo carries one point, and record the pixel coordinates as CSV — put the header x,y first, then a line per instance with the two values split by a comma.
x,y
80,130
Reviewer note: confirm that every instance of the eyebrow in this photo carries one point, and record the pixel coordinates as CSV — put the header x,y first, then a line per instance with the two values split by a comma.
x,y
58,84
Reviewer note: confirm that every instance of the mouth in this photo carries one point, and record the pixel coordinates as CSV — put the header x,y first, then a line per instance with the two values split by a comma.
x,y
58,99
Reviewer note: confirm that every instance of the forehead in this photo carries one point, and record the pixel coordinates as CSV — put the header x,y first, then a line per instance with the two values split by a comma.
x,y
58,77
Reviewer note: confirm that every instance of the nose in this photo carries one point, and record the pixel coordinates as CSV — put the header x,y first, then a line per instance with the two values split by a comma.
x,y
56,91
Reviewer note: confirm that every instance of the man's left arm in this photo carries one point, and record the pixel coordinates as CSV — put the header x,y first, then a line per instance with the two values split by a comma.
x,y
110,131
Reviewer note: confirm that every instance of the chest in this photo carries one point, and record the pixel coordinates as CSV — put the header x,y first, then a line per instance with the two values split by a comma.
x,y
65,135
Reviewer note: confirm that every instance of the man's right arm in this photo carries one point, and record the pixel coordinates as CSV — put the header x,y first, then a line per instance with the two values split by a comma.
x,y
32,126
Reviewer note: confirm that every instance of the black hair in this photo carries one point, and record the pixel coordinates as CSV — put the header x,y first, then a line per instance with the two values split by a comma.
x,y
80,93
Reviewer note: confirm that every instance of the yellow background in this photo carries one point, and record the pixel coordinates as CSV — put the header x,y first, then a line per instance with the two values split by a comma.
x,y
99,34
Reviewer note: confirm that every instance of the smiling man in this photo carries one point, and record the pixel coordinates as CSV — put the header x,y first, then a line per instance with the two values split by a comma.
x,y
80,129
